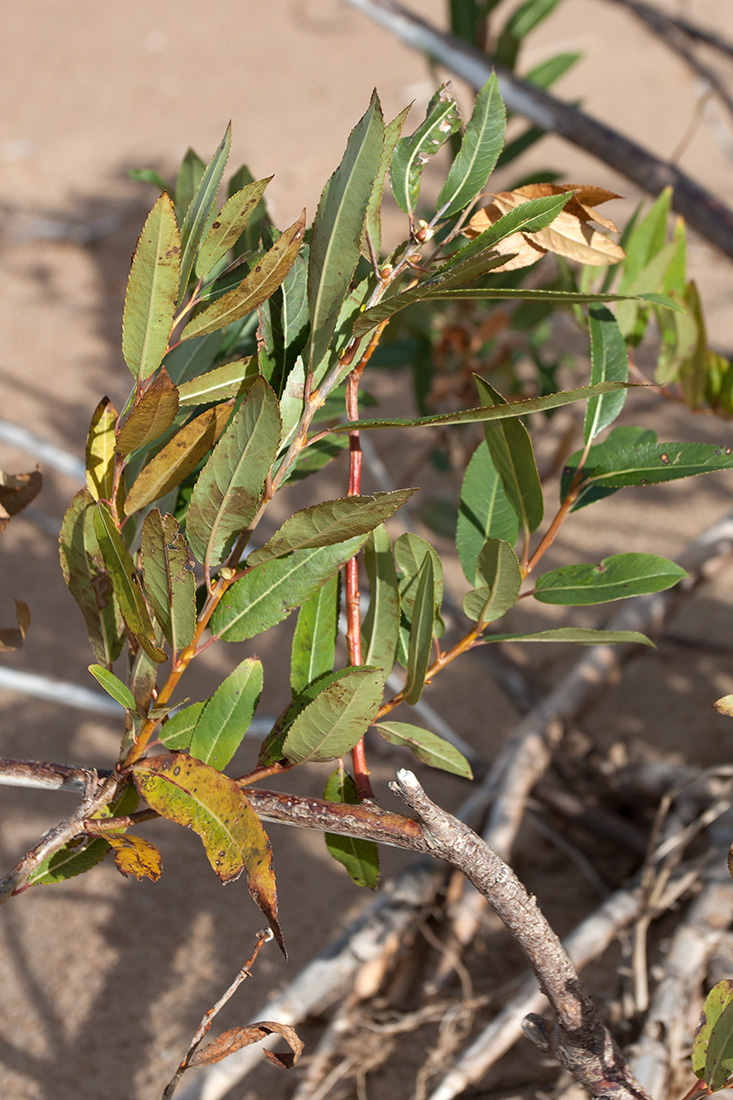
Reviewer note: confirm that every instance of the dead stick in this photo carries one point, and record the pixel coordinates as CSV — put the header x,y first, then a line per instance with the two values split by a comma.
x,y
706,214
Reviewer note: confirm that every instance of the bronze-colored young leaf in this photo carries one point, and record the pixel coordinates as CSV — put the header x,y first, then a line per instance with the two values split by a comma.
x,y
228,490
237,1037
133,855
169,579
125,581
88,581
152,291
100,450
150,416
201,798
264,278
228,226
180,457
12,637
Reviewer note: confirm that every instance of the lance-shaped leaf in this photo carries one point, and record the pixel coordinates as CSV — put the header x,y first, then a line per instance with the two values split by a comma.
x,y
135,856
498,580
144,675
264,278
266,595
421,632
189,177
482,142
177,732
227,715
168,577
100,450
718,1004
69,862
237,1037
380,630
330,522
314,641
372,233
197,796
412,153
126,583
410,554
512,453
615,578
228,490
221,383
336,236
484,512
484,413
338,717
152,291
200,212
617,440
426,746
152,415
359,857
88,581
492,226
180,457
228,226
113,686
719,1056
188,360
575,634
609,363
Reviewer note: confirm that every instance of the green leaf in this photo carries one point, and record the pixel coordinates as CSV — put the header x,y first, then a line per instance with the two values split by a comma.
x,y
498,580
337,718
148,175
372,233
484,512
229,380
717,1006
192,358
200,212
330,522
125,581
227,715
228,490
228,226
195,795
177,732
523,20
337,228
267,594
152,291
410,554
646,239
412,153
69,862
113,686
651,464
513,456
169,579
573,634
609,363
485,412
547,72
189,177
615,578
719,1058
284,323
250,237
527,217
314,641
479,152
359,857
100,450
316,456
421,632
617,440
86,576
265,277
180,457
380,629
426,746
150,416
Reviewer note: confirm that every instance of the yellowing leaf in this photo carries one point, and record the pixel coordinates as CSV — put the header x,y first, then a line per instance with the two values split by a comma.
x,y
151,415
135,856
100,450
724,705
198,797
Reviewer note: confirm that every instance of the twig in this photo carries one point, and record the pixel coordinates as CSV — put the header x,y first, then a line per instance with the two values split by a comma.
x,y
706,214
580,1040
692,30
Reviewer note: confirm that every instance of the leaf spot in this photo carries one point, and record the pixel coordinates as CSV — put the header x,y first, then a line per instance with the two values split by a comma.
x,y
664,458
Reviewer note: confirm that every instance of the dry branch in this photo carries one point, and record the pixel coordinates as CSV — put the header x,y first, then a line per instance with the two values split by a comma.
x,y
700,209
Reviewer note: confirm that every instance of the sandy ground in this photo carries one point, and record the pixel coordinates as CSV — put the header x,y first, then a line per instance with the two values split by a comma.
x,y
102,980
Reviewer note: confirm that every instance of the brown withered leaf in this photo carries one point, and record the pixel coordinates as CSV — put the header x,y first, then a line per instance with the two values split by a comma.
x,y
238,1037
16,492
151,415
582,204
135,856
724,705
12,637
